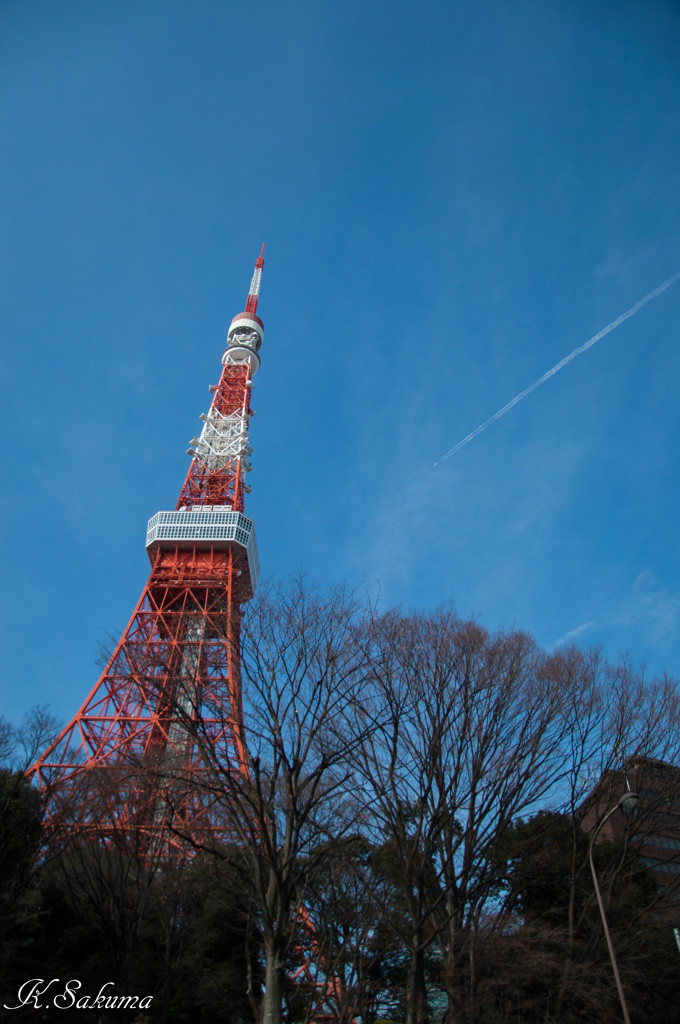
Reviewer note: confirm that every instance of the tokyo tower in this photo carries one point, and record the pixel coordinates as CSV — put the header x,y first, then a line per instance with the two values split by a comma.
x,y
129,763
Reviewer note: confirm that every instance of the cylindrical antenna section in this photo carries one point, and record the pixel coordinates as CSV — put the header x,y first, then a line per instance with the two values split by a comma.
x,y
245,333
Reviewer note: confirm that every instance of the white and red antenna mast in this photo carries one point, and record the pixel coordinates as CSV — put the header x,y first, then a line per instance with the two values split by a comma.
x,y
251,303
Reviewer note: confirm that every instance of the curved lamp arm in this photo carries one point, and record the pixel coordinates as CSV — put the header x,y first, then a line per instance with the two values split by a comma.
x,y
627,801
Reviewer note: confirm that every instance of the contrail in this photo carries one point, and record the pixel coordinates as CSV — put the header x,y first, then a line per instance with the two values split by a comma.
x,y
558,366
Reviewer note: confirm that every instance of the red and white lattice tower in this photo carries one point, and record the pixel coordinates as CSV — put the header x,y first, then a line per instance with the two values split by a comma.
x,y
129,762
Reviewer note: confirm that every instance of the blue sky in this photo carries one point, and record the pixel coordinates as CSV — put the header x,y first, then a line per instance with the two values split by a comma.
x,y
454,196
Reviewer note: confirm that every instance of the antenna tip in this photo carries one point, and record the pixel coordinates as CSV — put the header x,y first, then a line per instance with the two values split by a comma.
x,y
260,260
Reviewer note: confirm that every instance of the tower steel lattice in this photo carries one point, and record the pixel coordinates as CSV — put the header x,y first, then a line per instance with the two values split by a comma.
x,y
128,763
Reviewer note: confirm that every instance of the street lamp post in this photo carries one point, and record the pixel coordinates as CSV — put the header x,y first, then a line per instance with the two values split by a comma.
x,y
627,801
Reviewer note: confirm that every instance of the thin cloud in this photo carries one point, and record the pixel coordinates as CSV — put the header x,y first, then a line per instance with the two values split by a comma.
x,y
651,607
585,627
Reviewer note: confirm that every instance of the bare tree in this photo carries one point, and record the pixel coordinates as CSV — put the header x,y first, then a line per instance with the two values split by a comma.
x,y
616,718
469,734
109,885
290,799
20,745
347,899
7,742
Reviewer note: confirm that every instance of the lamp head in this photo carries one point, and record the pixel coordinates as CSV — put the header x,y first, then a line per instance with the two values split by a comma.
x,y
629,800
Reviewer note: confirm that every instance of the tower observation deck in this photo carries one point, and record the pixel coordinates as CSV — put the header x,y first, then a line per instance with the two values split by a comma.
x,y
129,762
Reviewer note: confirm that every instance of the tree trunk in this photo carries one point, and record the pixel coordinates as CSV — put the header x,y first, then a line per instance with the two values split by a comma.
x,y
416,996
271,1001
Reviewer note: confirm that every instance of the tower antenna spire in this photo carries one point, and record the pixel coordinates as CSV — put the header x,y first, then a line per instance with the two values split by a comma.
x,y
251,301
